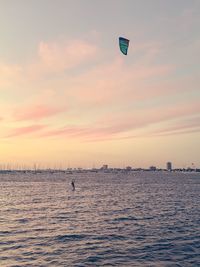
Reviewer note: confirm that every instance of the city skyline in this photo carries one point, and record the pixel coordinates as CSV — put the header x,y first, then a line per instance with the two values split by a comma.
x,y
69,97
62,166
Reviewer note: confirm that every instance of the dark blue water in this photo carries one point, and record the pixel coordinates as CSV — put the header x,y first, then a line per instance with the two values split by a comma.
x,y
135,219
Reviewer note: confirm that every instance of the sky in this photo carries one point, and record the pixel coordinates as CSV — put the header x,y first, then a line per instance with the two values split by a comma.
x,y
70,98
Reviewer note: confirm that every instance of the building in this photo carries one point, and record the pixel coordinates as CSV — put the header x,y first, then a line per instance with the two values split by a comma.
x,y
104,167
169,166
152,168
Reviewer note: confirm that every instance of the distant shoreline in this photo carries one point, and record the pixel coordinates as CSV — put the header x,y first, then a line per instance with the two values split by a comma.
x,y
109,170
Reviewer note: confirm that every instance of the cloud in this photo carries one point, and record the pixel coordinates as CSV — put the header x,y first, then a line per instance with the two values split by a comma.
x,y
67,54
25,130
56,57
124,125
183,125
181,131
36,112
51,58
116,83
107,100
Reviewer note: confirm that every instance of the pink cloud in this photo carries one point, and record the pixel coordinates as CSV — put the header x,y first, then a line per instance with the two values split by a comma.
x,y
122,126
116,83
25,130
110,89
36,112
55,57
51,58
65,55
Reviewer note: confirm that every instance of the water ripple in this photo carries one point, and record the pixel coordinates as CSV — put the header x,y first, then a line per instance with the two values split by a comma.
x,y
136,219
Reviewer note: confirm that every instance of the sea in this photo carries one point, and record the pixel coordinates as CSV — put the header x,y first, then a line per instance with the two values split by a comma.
x,y
121,219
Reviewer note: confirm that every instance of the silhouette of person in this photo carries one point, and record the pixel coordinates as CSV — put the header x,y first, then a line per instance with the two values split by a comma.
x,y
73,185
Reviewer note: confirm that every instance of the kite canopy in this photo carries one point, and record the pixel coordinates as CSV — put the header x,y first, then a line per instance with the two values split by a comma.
x,y
123,45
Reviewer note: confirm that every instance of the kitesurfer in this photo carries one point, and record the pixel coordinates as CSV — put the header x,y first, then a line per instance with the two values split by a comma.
x,y
73,185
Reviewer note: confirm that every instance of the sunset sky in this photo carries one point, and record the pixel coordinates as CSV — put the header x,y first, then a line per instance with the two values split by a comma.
x,y
69,98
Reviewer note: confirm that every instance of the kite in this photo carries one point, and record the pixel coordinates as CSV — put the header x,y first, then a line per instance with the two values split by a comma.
x,y
123,45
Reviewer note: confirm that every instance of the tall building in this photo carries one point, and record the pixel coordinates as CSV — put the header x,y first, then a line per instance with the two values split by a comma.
x,y
169,166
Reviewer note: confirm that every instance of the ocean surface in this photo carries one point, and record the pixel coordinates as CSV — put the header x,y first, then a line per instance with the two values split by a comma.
x,y
111,219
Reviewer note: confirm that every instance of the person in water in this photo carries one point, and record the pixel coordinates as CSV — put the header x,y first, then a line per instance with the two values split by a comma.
x,y
73,185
